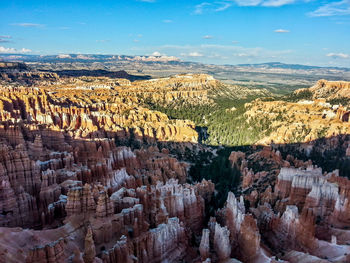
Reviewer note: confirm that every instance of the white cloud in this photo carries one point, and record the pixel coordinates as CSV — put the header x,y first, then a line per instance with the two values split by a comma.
x,y
223,7
27,25
214,6
338,55
13,50
218,53
247,2
208,37
195,54
167,21
340,8
271,3
217,6
244,55
6,50
156,53
200,8
281,31
276,3
24,50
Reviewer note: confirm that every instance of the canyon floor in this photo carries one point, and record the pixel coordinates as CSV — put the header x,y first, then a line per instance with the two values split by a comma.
x,y
109,166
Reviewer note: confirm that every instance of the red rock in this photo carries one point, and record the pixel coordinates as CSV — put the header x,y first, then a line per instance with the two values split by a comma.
x,y
104,206
80,200
53,252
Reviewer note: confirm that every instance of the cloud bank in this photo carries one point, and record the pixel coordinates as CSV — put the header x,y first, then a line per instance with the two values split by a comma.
x,y
27,25
281,31
340,8
338,55
13,50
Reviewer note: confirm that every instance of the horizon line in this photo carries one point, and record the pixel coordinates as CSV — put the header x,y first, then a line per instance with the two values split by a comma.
x,y
160,56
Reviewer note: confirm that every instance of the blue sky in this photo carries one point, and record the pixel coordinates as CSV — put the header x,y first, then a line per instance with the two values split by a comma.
x,y
220,32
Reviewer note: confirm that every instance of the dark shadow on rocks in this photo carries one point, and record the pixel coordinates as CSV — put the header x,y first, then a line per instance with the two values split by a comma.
x,y
100,73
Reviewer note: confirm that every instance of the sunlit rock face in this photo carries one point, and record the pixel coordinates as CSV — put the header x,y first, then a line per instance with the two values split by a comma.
x,y
89,174
107,116
330,89
304,120
76,194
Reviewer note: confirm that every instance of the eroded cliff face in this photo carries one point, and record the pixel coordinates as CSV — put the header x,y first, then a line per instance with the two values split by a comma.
x,y
302,121
86,175
189,88
299,212
111,197
81,196
77,193
321,111
329,89
90,114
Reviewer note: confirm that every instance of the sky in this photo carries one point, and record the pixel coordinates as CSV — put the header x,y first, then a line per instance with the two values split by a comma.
x,y
305,32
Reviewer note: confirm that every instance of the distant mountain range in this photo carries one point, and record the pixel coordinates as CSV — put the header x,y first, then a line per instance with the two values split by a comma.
x,y
70,58
84,58
277,77
270,65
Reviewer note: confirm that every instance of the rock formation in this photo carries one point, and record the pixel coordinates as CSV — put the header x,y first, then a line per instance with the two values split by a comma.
x,y
301,121
221,242
89,248
63,167
204,247
88,173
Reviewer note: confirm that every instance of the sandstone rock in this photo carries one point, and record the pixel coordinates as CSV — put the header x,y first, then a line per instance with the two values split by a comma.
x,y
167,241
53,252
64,173
221,242
89,247
104,206
301,121
80,200
204,247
